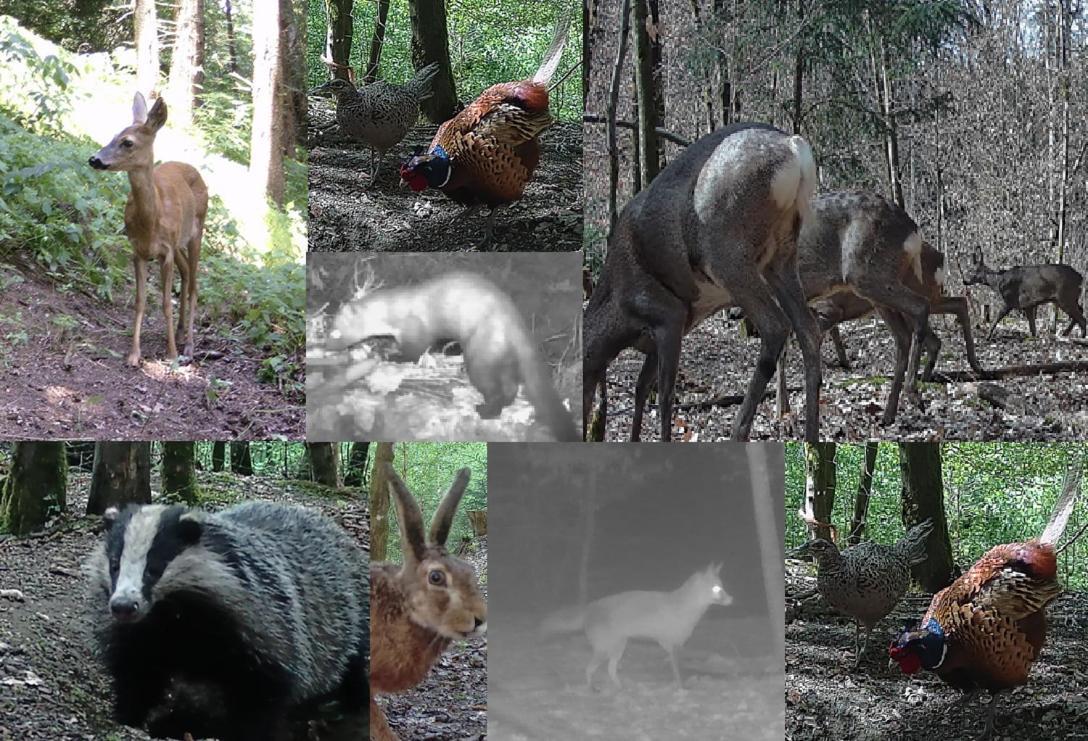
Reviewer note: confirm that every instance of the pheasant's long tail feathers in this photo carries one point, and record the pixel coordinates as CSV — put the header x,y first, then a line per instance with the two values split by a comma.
x,y
555,52
1064,508
420,85
912,546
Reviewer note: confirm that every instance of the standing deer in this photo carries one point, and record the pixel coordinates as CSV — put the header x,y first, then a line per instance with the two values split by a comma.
x,y
1025,287
718,227
164,219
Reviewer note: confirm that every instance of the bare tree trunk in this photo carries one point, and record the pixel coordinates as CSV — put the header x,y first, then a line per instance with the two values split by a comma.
x,y
232,42
356,473
430,43
146,27
819,488
266,148
179,471
187,62
219,454
648,164
799,72
241,461
122,475
325,463
339,32
923,498
1061,215
379,502
765,477
708,86
36,487
865,489
377,41
293,56
611,113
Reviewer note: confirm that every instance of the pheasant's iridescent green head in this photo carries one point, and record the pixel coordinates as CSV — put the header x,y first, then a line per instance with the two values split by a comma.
x,y
426,170
914,649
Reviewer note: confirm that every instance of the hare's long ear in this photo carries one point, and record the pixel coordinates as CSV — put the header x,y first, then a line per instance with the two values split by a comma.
x,y
443,518
409,516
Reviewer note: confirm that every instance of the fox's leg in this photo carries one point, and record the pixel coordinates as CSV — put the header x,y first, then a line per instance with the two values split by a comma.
x,y
593,664
614,657
675,665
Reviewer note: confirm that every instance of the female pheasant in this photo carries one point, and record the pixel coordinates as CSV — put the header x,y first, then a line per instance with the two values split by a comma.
x,y
487,153
986,629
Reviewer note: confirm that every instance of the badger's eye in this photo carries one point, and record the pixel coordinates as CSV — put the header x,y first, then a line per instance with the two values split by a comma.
x,y
437,578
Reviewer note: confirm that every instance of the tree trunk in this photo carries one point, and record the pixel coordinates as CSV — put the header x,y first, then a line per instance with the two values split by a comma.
x,y
648,165
765,478
122,475
819,488
430,43
377,41
325,462
179,471
799,70
219,454
293,89
339,32
241,461
266,147
612,112
865,489
232,42
356,473
187,62
379,503
146,27
923,497
36,487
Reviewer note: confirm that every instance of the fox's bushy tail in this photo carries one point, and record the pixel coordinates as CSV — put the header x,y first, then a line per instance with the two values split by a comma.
x,y
566,620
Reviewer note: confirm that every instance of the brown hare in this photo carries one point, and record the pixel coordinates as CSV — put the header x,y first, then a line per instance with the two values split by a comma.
x,y
417,608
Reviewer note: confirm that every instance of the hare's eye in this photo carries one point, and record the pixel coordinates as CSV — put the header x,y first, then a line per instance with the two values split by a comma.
x,y
437,578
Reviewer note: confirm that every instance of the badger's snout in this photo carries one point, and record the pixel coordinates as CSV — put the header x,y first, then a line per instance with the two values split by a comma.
x,y
125,608
97,163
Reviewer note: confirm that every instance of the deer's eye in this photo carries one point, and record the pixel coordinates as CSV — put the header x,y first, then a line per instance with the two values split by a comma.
x,y
126,144
437,578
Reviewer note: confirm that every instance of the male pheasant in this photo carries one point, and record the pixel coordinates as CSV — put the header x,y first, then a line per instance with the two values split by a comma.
x,y
487,153
379,114
984,631
866,581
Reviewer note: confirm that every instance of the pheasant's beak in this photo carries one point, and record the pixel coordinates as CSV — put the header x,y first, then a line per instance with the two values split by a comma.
x,y
798,552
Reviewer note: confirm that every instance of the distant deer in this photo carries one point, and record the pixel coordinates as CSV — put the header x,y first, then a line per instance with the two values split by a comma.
x,y
164,219
717,228
1027,286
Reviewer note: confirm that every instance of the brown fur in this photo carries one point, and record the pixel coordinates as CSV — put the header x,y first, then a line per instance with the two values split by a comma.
x,y
417,608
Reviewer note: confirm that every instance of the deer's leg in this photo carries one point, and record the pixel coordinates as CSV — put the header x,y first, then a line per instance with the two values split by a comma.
x,y
840,349
667,335
1029,312
194,260
782,394
646,378
958,305
1004,313
166,272
181,262
932,345
764,312
900,329
914,310
786,284
140,267
1071,306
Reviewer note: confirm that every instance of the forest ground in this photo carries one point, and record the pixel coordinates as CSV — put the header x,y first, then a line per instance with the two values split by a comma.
x,y
345,216
451,703
541,694
63,374
715,359
826,698
50,688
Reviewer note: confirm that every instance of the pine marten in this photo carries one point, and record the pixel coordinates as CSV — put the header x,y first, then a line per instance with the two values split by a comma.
x,y
500,353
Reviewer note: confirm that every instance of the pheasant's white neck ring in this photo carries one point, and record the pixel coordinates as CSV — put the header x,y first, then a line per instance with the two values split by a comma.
x,y
944,652
449,173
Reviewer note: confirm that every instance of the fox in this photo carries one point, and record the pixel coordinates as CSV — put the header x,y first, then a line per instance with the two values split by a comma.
x,y
666,617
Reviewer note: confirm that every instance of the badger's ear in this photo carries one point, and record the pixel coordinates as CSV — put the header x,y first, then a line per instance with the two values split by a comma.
x,y
190,526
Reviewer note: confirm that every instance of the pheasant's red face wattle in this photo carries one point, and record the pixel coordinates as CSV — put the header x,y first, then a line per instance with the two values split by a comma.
x,y
415,179
909,661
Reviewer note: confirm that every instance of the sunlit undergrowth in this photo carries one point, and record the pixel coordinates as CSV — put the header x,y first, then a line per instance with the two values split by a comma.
x,y
66,220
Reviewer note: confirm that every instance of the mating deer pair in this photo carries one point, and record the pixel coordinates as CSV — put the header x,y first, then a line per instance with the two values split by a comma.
x,y
164,220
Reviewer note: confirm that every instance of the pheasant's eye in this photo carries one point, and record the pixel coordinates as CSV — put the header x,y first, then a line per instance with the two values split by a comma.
x,y
437,578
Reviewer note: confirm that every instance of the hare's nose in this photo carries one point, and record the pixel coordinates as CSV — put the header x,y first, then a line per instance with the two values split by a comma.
x,y
478,625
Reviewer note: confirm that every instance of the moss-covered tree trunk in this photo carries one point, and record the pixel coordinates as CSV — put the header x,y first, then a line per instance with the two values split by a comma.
x,y
241,461
923,497
219,455
122,475
379,502
339,30
179,471
325,462
35,489
819,488
356,473
430,43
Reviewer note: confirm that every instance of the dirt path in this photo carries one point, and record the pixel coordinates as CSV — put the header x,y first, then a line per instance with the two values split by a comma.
x,y
714,358
63,375
50,688
345,216
826,699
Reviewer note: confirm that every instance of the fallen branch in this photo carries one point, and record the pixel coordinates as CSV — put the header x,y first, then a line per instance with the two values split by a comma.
x,y
1012,371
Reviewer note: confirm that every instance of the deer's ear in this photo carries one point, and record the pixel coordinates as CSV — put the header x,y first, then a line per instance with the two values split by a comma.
x,y
139,109
157,117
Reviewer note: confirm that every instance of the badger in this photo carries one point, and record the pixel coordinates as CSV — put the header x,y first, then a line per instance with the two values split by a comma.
x,y
266,605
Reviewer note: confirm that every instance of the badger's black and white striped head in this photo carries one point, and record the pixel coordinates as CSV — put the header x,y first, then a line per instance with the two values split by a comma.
x,y
145,549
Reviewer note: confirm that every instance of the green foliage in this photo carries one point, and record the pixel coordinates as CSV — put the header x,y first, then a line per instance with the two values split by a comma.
x,y
490,41
71,23
33,86
994,493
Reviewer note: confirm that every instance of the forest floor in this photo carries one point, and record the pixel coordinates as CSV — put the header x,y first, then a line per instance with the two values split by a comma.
x,y
451,703
715,360
63,375
539,692
50,688
347,216
826,698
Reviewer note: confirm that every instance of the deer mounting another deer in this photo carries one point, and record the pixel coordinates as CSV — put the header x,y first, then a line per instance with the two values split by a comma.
x,y
164,219
718,227
1025,287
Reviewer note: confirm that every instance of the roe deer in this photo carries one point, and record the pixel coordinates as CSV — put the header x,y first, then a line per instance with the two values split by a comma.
x,y
666,617
718,227
164,219
1026,286
417,608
